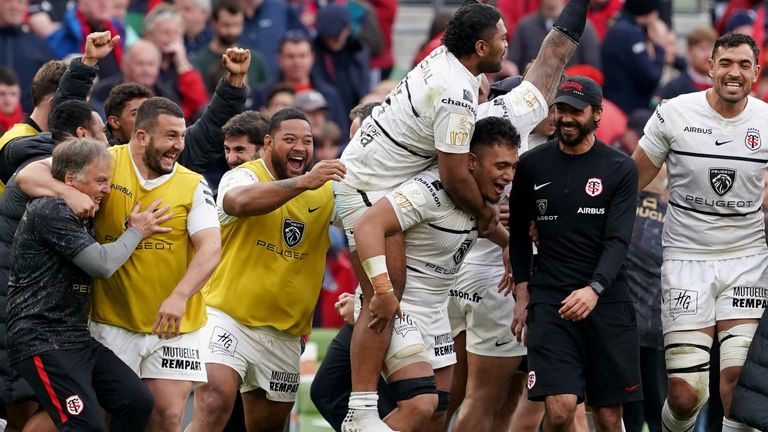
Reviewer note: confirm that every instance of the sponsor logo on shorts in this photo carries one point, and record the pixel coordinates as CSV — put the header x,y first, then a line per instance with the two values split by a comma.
x,y
284,382
630,389
721,180
531,379
181,358
404,325
499,343
682,302
474,297
74,405
293,232
222,341
443,345
749,297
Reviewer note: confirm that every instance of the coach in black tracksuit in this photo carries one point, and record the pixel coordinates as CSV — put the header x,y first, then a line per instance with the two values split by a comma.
x,y
581,328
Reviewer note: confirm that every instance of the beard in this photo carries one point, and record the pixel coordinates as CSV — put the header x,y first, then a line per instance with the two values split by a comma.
x,y
227,41
584,130
152,158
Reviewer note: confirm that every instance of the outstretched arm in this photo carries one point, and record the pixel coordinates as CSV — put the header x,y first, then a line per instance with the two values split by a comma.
x,y
558,48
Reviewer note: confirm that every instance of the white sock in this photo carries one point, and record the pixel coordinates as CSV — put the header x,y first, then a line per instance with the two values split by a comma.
x,y
363,400
734,426
674,424
363,414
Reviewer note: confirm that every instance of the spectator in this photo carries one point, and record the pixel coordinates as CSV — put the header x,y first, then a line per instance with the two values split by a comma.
x,y
10,98
281,96
328,142
627,142
86,17
227,19
313,105
341,59
266,22
382,64
45,16
197,27
696,76
742,22
164,28
120,108
295,60
120,14
602,13
20,50
514,10
435,36
533,28
633,62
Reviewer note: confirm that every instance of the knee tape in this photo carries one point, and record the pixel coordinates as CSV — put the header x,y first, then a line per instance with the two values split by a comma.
x,y
734,344
687,357
443,399
408,388
407,356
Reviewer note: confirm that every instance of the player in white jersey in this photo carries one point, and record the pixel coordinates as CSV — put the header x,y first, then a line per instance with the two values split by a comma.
x,y
438,235
715,269
430,116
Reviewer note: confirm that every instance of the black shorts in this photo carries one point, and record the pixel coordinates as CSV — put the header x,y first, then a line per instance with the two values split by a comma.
x,y
74,385
597,358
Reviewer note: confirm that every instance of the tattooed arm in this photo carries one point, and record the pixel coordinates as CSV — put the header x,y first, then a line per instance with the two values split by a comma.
x,y
263,197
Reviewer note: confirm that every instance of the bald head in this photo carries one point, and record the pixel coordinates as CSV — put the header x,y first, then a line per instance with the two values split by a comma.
x,y
142,63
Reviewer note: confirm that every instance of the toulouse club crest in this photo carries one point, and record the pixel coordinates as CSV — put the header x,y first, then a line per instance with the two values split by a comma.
x,y
594,187
752,139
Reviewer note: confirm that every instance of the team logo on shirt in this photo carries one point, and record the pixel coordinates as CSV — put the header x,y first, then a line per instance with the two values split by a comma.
x,y
74,405
293,232
752,140
721,180
541,204
531,379
458,257
594,187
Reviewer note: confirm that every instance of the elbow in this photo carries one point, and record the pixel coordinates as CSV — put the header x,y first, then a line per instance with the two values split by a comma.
x,y
233,206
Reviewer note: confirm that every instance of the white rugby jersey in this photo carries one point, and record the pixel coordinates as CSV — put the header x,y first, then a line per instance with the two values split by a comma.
x,y
525,107
438,236
715,167
432,108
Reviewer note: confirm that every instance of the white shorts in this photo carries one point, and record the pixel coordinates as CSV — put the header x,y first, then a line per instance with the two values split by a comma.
x,y
264,357
429,326
475,305
696,294
151,357
350,206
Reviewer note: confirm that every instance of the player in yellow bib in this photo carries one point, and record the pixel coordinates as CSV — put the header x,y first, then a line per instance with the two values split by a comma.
x,y
150,311
275,218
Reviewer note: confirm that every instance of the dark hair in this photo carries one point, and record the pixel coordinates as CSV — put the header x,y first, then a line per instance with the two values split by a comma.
x,y
46,80
121,95
733,40
8,76
363,111
471,23
151,109
75,154
279,88
492,131
294,37
67,116
283,115
250,124
234,7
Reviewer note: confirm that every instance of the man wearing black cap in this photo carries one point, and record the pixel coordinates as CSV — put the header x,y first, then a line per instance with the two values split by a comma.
x,y
581,329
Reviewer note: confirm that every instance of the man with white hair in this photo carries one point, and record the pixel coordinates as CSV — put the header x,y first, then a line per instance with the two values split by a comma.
x,y
197,29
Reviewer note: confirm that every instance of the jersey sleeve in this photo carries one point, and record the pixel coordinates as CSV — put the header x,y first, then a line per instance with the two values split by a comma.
x,y
61,229
454,120
415,201
525,107
655,141
203,213
230,180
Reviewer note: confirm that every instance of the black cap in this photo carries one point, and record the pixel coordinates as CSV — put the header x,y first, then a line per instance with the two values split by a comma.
x,y
641,7
579,92
500,88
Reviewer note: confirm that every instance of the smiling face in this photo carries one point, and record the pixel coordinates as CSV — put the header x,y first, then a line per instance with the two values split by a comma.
x,y
290,148
575,125
93,180
163,144
493,168
733,71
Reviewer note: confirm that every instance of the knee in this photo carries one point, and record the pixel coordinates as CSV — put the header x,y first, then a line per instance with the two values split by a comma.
x,y
683,400
687,359
607,419
560,412
141,405
419,408
213,400
168,415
